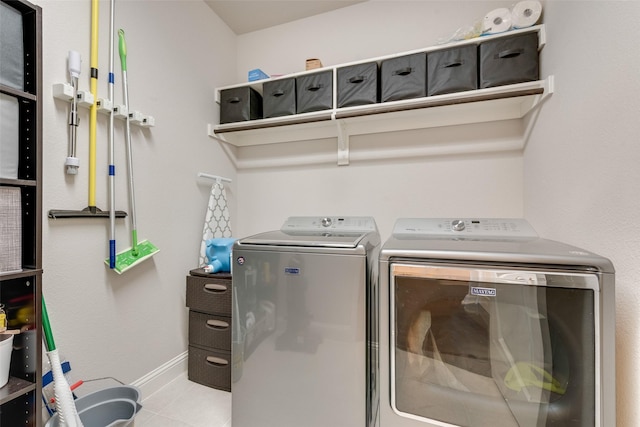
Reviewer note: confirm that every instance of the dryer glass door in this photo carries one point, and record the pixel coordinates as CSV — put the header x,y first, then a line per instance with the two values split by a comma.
x,y
480,347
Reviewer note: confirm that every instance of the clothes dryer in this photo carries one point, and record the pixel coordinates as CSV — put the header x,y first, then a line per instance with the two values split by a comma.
x,y
304,319
483,323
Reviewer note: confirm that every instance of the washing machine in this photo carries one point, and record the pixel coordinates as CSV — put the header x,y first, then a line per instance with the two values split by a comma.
x,y
304,324
484,324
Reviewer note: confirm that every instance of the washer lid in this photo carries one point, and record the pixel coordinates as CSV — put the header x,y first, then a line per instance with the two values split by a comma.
x,y
323,239
317,231
486,240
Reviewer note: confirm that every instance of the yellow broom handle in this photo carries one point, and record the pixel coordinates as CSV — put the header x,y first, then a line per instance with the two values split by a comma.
x,y
93,118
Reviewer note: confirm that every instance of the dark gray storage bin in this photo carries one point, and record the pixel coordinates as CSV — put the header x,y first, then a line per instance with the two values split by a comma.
x,y
452,70
9,136
314,92
358,85
404,77
279,97
11,47
240,104
509,60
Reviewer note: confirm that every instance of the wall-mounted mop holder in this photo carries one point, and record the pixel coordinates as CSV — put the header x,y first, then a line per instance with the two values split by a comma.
x,y
64,92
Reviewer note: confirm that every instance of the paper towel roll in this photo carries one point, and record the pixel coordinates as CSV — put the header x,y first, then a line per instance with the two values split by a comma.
x,y
497,21
526,13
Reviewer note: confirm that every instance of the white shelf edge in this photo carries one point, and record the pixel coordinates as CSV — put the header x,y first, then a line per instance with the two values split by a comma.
x,y
492,104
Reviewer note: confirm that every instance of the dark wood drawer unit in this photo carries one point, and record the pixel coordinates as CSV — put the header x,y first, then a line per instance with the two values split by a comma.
x,y
210,293
209,330
210,367
209,302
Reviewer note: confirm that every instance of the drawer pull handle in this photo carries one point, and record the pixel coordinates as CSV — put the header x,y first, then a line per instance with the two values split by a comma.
x,y
510,53
454,63
278,93
217,361
314,88
217,324
215,288
356,79
234,100
403,71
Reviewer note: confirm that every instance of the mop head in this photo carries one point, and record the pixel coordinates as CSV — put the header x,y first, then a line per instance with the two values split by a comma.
x,y
127,259
65,405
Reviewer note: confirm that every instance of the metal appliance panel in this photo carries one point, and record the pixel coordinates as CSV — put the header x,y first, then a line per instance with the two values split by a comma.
x,y
317,231
494,347
320,239
538,291
299,338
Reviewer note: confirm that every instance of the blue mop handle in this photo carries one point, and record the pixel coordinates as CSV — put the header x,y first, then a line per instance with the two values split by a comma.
x,y
112,254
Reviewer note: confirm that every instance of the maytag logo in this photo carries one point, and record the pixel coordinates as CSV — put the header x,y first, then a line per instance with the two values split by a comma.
x,y
483,292
291,270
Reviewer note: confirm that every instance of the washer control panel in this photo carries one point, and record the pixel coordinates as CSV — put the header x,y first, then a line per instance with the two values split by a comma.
x,y
464,227
319,223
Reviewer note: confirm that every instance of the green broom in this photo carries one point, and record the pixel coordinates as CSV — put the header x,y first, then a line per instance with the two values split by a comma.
x,y
139,251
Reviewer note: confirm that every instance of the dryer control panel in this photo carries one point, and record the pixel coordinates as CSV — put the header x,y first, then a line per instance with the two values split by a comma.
x,y
464,227
319,223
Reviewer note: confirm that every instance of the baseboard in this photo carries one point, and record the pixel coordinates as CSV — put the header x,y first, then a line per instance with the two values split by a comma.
x,y
162,375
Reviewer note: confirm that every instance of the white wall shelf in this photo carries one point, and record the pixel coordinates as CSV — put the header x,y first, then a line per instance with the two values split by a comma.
x,y
477,106
484,105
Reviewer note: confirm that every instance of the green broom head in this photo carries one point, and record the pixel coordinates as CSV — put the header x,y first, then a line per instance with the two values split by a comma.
x,y
134,256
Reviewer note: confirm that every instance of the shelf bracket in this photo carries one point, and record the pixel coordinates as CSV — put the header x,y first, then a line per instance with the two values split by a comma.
x,y
212,133
343,143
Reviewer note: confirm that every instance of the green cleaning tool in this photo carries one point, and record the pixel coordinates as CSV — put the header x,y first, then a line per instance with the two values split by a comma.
x,y
65,405
139,251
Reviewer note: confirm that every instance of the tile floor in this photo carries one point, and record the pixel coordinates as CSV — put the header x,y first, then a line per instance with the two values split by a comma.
x,y
183,403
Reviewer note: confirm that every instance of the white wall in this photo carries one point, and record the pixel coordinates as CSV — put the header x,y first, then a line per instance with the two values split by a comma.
x,y
403,185
581,165
178,51
577,181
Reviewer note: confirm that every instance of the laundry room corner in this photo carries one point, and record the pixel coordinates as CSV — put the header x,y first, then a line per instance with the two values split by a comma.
x,y
129,325
580,164
466,257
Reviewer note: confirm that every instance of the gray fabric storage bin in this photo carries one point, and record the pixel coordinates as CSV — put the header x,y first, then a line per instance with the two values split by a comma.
x,y
314,92
452,70
509,60
404,77
10,229
358,85
11,47
279,97
240,104
9,136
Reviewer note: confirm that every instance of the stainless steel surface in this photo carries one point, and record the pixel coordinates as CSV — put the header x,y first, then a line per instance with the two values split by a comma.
x,y
351,224
302,337
460,317
464,228
319,232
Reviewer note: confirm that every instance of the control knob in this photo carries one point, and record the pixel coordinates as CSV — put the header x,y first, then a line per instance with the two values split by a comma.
x,y
457,225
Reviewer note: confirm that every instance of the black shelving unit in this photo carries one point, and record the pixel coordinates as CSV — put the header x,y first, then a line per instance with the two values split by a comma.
x,y
21,288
